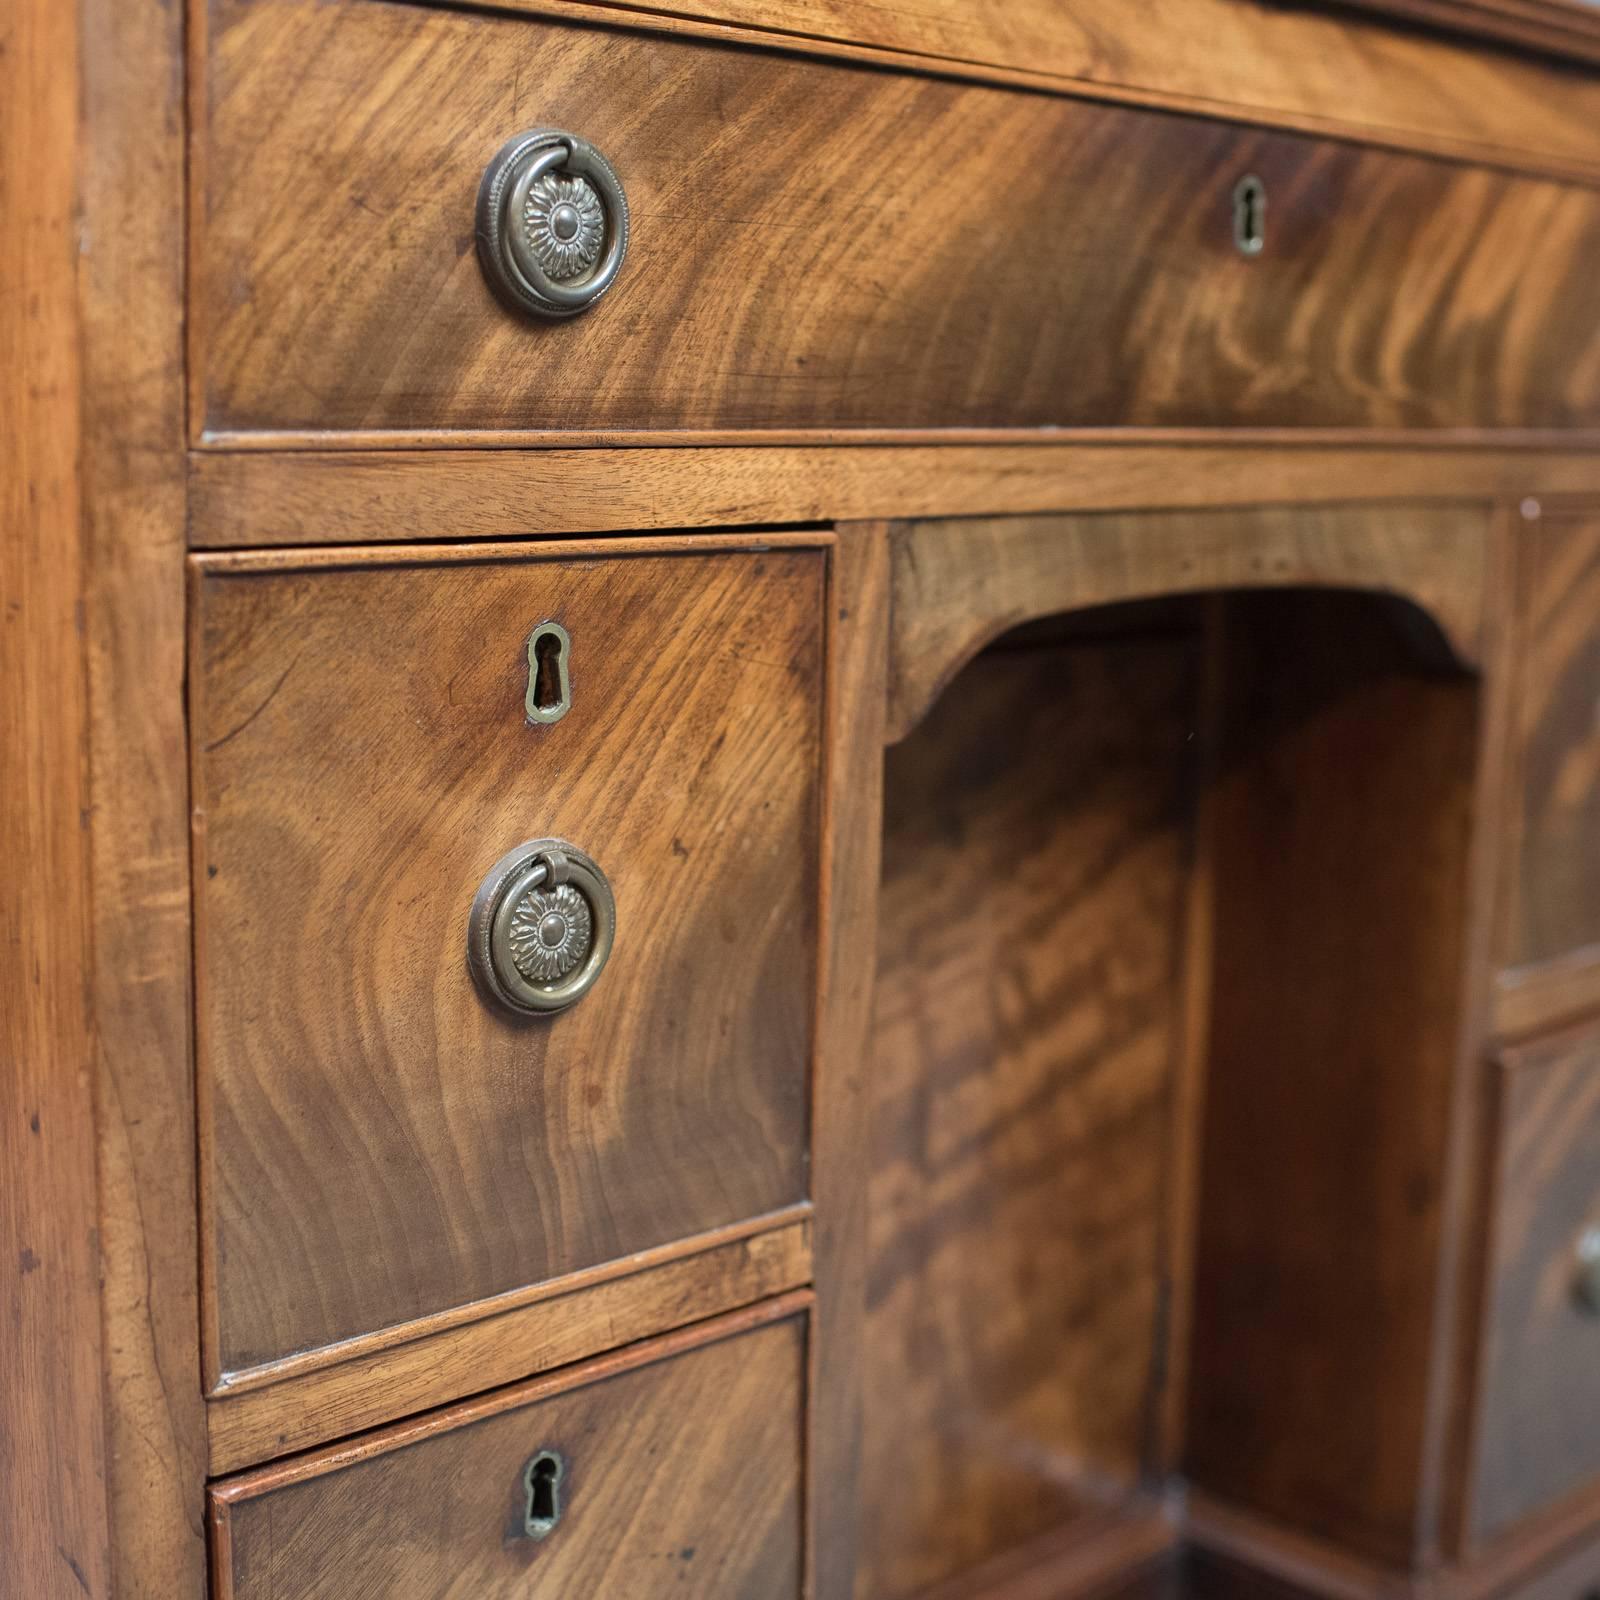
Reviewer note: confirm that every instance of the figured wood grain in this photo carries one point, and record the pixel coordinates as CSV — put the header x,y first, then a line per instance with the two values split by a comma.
x,y
1540,1417
1024,1071
377,1143
959,584
130,277
858,626
683,1476
1555,909
351,496
500,1347
53,1511
821,280
1342,837
1290,66
1563,27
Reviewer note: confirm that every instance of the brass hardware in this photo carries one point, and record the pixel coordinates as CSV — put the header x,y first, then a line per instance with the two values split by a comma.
x,y
541,927
541,1483
1586,1284
552,223
1250,215
549,683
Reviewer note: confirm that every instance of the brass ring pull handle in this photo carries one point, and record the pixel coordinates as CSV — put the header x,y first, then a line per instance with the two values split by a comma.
x,y
552,223
541,927
1586,1281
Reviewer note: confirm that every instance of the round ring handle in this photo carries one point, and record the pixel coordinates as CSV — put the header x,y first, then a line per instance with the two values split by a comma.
x,y
1586,1280
552,223
541,927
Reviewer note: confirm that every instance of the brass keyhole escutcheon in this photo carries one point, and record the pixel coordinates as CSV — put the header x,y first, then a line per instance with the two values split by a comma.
x,y
549,696
1250,216
541,1482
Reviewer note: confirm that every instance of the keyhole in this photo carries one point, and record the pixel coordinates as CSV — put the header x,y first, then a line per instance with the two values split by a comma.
x,y
1250,216
549,680
542,1478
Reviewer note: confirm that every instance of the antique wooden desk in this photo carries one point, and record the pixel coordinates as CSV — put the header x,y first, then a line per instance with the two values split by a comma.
x,y
800,798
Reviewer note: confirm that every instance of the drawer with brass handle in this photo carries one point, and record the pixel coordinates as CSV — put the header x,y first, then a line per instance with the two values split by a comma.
x,y
1539,1424
506,868
536,227
671,1471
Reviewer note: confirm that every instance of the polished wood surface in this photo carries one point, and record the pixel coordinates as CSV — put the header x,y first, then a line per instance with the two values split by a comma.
x,y
1563,27
1024,1071
682,1477
53,1512
308,497
1341,853
1282,65
646,1297
1538,1436
1555,903
958,584
379,1145
858,626
130,280
821,281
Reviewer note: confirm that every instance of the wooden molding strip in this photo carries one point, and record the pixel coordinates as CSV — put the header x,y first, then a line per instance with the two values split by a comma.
x,y
322,1405
307,498
1306,72
304,1467
421,1331
1557,26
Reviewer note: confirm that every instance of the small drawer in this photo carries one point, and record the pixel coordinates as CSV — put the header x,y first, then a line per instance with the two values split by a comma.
x,y
1538,1424
384,1139
817,245
673,1472
1555,903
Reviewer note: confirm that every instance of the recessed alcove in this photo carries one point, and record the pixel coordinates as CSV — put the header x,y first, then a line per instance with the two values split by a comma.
x,y
1173,900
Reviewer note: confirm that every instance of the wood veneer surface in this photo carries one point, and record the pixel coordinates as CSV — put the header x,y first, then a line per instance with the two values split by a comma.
x,y
823,245
378,1143
1023,1062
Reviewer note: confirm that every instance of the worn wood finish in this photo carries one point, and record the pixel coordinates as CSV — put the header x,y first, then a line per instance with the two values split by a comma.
x,y
1341,833
1563,27
1029,1016
53,1528
1289,66
1538,1436
130,276
683,1476
311,497
858,624
823,281
378,1145
1555,900
959,584
500,1346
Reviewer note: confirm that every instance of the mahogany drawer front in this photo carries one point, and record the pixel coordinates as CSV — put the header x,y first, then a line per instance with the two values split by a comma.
x,y
1538,1426
379,1142
819,245
1556,893
678,1475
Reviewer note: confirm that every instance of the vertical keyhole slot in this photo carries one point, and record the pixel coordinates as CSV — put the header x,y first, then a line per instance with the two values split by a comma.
x,y
549,675
1250,216
542,1479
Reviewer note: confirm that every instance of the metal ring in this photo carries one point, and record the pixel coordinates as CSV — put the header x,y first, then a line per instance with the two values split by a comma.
x,y
534,865
503,245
